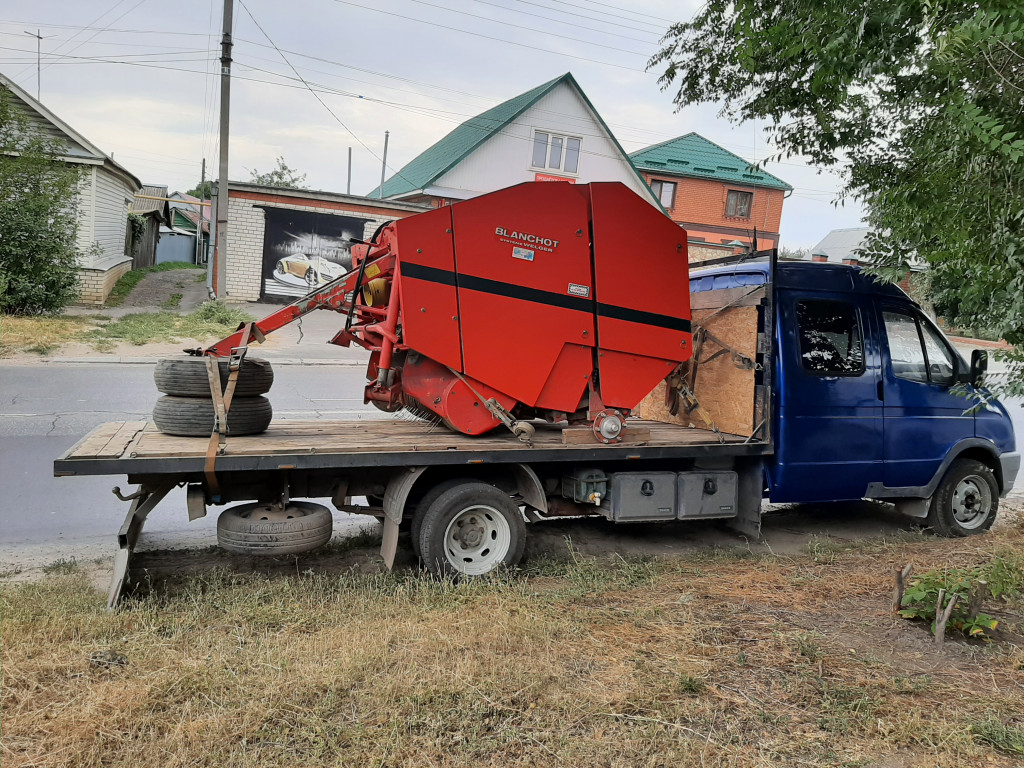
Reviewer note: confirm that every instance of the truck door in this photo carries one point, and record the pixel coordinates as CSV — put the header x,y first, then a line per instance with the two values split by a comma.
x,y
923,420
829,436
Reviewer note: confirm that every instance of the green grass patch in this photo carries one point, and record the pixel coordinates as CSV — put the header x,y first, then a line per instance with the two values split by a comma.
x,y
40,334
173,302
1005,738
211,319
129,280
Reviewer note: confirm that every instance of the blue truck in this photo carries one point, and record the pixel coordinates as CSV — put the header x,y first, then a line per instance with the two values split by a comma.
x,y
809,383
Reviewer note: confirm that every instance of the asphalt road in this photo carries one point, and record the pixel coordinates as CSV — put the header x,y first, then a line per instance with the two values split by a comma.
x,y
47,408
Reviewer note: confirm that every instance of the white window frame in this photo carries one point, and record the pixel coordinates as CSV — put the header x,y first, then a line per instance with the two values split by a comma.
x,y
662,183
565,137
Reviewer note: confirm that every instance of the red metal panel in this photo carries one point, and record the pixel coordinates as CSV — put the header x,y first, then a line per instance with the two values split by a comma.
x,y
430,307
643,293
453,399
525,289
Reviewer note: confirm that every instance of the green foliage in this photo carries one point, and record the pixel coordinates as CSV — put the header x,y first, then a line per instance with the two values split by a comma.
x,y
1005,738
281,176
1004,577
202,190
137,227
38,217
212,319
919,105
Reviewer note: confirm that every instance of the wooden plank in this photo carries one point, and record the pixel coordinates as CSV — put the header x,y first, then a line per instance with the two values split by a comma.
x,y
725,392
633,434
97,440
744,296
121,439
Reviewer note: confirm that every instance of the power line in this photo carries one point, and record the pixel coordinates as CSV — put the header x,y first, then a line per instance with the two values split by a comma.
x,y
573,22
487,37
315,94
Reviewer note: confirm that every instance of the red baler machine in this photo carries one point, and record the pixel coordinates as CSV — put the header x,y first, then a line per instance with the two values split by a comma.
x,y
541,301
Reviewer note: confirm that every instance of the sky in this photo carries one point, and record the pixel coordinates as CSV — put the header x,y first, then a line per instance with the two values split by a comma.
x,y
311,78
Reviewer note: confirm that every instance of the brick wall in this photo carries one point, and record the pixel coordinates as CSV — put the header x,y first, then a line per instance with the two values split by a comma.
x,y
246,226
702,202
95,284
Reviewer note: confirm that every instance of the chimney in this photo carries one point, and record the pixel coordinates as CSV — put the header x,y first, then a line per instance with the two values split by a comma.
x,y
819,256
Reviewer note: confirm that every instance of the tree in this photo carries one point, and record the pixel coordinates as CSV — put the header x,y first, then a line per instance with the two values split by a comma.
x,y
919,104
39,196
281,176
202,190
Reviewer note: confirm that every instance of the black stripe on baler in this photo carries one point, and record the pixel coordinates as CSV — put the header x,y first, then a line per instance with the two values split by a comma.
x,y
536,296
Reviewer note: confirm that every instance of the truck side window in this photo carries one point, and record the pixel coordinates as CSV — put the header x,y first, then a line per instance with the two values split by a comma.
x,y
917,351
831,343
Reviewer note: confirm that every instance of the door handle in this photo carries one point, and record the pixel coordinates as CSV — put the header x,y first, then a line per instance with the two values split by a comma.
x,y
881,391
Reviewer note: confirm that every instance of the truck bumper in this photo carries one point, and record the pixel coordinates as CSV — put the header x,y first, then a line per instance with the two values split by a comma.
x,y
1010,465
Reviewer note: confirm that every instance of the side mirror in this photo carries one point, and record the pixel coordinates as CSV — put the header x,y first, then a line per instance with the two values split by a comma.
x,y
979,366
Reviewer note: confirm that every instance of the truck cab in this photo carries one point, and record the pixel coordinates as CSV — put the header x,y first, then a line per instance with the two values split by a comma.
x,y
872,401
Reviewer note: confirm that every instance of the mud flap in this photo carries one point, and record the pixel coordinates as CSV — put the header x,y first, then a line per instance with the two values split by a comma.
x,y
395,496
750,489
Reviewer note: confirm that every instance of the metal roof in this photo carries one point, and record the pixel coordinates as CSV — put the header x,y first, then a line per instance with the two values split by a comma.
x,y
840,244
693,155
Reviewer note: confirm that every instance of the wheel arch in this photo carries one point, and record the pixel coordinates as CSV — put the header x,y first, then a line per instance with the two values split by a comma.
x,y
411,484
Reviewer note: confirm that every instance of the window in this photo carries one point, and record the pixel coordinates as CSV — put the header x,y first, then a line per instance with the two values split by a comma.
x,y
737,204
559,153
916,350
831,343
665,192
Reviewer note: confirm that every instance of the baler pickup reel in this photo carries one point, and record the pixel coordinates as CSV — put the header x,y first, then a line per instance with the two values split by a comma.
x,y
549,301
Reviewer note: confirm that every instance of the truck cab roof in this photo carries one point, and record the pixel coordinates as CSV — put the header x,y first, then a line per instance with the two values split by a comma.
x,y
805,275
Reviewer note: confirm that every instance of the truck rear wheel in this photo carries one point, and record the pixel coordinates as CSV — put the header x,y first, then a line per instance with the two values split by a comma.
x,y
471,529
966,501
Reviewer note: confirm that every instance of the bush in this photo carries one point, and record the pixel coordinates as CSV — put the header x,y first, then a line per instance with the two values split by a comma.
x,y
38,218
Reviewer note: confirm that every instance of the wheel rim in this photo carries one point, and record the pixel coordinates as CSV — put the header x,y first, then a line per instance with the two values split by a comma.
x,y
972,502
477,540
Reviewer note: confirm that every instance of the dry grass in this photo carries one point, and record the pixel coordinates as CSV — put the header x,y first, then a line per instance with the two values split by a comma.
x,y
39,334
715,660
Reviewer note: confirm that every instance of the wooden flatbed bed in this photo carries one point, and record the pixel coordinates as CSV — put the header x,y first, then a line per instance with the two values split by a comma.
x,y
137,448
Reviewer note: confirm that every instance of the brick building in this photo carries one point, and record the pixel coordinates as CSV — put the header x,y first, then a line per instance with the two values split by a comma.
x,y
715,195
284,242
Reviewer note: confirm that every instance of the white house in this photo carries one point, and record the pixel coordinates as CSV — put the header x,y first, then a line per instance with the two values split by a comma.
x,y
549,133
107,192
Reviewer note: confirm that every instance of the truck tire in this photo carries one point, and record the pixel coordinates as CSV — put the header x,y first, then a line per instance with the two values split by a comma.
x,y
186,376
193,416
471,529
423,504
266,530
966,501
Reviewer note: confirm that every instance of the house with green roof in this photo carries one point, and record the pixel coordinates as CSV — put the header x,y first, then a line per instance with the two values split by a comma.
x,y
719,198
549,133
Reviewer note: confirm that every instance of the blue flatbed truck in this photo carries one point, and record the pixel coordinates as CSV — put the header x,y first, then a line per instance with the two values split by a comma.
x,y
810,383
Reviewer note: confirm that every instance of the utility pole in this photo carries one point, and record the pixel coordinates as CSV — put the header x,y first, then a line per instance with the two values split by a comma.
x,y
221,252
383,167
202,197
348,189
39,70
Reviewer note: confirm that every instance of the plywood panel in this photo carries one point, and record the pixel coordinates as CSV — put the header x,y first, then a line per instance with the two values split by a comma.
x,y
724,391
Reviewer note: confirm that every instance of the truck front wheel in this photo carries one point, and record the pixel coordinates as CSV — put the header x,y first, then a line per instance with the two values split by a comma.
x,y
471,529
966,500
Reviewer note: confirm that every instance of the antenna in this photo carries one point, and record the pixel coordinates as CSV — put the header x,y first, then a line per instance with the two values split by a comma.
x,y
39,70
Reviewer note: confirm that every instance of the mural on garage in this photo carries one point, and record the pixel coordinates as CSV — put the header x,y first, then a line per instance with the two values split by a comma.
x,y
305,249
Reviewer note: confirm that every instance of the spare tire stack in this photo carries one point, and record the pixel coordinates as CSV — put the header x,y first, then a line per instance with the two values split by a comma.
x,y
186,409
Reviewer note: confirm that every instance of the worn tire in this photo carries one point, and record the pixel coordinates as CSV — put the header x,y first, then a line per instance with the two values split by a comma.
x,y
966,501
193,416
186,376
261,529
471,529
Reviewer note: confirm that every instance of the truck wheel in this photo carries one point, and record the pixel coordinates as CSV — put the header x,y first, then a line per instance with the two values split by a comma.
x,y
966,500
193,416
471,529
186,376
423,504
266,529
